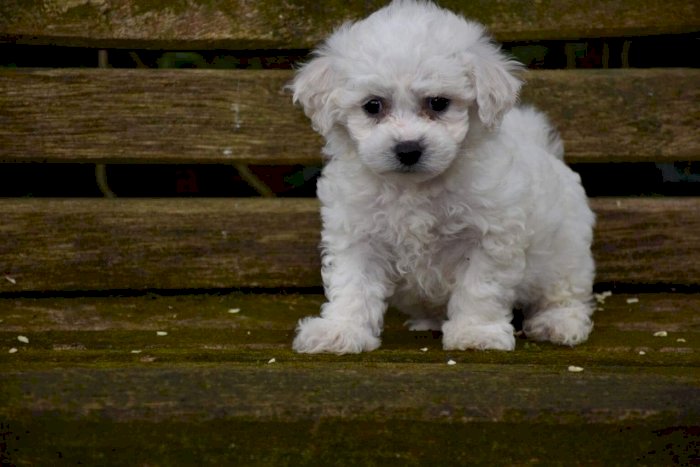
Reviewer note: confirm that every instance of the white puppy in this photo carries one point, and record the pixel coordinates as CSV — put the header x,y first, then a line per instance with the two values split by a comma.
x,y
438,196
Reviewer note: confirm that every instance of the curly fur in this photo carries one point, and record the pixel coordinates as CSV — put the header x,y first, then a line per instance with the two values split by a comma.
x,y
488,218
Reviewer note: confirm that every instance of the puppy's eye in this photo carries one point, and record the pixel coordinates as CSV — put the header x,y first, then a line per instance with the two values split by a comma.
x,y
373,106
438,104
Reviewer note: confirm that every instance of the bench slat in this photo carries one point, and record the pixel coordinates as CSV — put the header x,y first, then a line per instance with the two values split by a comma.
x,y
64,245
179,116
96,382
269,24
71,330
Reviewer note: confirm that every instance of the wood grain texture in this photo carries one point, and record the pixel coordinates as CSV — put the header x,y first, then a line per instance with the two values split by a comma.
x,y
621,115
207,393
301,394
181,116
152,116
303,23
348,414
631,231
73,330
130,244
64,245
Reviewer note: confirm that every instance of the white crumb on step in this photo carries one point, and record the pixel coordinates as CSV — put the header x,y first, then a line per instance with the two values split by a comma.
x,y
12,350
161,333
660,334
272,360
23,339
680,340
424,349
11,280
641,352
451,362
233,311
575,369
600,297
632,300
136,351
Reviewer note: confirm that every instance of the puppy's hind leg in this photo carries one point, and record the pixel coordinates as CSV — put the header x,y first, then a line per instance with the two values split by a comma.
x,y
562,312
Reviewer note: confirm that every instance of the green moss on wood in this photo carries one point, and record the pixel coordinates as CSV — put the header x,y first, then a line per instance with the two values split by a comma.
x,y
208,392
53,440
122,331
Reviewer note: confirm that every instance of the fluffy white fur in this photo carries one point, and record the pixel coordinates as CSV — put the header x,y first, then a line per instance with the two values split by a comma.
x,y
488,218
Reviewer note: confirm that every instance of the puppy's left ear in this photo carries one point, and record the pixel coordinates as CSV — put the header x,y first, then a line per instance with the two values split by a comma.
x,y
497,86
312,87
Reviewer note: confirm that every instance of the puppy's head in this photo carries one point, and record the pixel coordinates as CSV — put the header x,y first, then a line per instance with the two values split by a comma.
x,y
402,85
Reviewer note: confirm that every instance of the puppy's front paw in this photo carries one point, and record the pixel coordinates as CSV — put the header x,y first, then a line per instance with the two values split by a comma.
x,y
565,326
461,336
317,335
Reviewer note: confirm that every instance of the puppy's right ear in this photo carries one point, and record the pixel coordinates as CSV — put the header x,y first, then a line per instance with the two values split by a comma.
x,y
313,87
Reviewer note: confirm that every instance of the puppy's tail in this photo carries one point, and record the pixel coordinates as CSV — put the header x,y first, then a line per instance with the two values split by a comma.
x,y
534,125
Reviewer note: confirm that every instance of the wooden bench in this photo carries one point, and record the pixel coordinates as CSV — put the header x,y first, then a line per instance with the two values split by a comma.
x,y
158,331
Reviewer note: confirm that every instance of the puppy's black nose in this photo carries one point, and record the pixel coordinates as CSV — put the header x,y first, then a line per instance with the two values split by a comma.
x,y
408,152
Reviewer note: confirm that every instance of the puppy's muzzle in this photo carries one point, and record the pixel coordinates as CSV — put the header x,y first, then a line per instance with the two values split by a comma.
x,y
408,152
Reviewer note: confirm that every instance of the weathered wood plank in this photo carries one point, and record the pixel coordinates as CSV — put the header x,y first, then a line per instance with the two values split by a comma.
x,y
628,115
209,116
301,24
152,116
200,244
42,439
201,328
76,391
159,243
304,392
631,233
